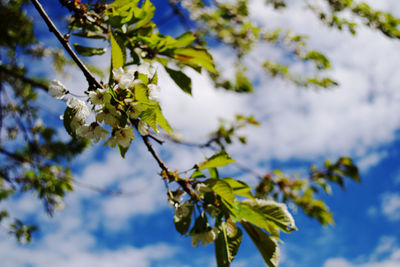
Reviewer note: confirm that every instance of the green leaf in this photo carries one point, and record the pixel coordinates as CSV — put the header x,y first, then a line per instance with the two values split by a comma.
x,y
265,244
222,189
213,173
242,212
227,246
221,247
149,116
153,116
123,150
161,120
181,79
88,51
271,211
185,39
89,34
239,188
243,85
200,224
197,174
117,53
154,79
196,57
69,115
144,14
219,159
183,219
234,240
141,93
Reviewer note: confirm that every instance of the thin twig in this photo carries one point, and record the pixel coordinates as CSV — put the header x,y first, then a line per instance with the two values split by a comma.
x,y
207,144
14,156
93,83
181,16
155,138
248,170
185,186
108,191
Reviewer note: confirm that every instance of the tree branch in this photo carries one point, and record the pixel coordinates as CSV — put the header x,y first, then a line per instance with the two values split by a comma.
x,y
180,15
185,186
23,78
93,83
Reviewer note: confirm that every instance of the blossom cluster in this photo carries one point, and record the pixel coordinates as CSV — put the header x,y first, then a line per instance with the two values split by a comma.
x,y
118,107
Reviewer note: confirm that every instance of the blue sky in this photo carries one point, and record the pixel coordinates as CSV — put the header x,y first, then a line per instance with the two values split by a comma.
x,y
360,119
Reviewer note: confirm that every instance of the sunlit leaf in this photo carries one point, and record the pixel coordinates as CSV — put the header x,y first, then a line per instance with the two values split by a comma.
x,y
265,244
117,53
219,159
88,51
182,221
69,115
181,79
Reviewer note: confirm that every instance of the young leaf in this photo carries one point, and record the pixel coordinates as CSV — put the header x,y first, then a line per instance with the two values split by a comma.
x,y
161,120
213,173
183,218
69,114
234,240
144,14
265,244
226,246
117,53
276,213
185,39
219,159
150,117
196,57
222,189
243,212
198,174
122,150
221,247
239,188
88,51
141,93
181,79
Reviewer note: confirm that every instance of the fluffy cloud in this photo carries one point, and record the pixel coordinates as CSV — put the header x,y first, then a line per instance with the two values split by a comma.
x,y
77,250
386,254
391,206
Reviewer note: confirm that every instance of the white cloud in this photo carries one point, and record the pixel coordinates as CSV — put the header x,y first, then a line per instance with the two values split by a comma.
x,y
391,206
371,160
386,254
78,251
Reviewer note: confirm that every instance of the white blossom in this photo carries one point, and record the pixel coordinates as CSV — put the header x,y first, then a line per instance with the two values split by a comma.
x,y
202,188
205,238
118,73
80,107
143,128
93,131
99,97
57,89
145,68
182,210
127,82
135,110
126,79
121,137
109,114
154,91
